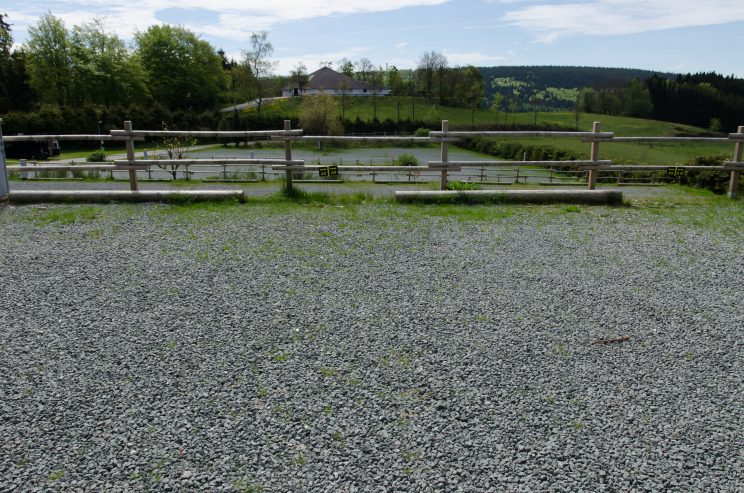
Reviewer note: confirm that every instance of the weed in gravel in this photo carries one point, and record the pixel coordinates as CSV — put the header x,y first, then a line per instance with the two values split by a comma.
x,y
328,372
396,356
171,345
338,437
280,357
411,456
561,350
263,392
299,460
57,475
577,425
327,409
405,418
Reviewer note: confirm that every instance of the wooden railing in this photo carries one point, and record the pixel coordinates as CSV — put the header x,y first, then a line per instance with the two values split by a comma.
x,y
441,167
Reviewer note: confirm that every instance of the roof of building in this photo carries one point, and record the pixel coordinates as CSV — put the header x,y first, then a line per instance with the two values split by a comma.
x,y
327,78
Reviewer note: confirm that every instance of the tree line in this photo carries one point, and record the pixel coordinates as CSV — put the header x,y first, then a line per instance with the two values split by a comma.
x,y
167,76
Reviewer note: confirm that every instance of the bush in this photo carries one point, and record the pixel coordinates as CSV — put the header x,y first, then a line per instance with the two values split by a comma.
x,y
96,157
461,185
406,160
715,181
421,132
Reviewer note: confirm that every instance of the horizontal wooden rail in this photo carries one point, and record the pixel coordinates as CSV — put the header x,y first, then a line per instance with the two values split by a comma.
x,y
194,162
507,133
655,139
66,167
736,136
354,138
80,137
519,163
204,133
640,167
313,167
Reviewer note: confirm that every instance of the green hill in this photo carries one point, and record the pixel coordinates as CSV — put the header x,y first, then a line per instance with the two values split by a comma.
x,y
460,119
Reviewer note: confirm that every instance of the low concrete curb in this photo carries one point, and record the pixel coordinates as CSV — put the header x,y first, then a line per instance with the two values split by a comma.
x,y
73,196
599,197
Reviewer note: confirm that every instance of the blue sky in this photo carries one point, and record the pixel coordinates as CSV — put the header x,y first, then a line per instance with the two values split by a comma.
x,y
664,35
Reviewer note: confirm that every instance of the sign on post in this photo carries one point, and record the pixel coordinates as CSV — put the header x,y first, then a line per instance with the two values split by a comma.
x,y
328,171
675,172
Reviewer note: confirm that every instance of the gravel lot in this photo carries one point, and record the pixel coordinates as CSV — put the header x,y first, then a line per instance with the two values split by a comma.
x,y
370,348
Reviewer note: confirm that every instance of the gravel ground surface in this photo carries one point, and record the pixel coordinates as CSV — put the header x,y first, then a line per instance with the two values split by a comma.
x,y
370,348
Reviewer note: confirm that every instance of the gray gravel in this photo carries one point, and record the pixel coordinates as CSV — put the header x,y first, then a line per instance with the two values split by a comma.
x,y
369,348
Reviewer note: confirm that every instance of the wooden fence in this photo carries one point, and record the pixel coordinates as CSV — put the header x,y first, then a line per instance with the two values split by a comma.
x,y
441,168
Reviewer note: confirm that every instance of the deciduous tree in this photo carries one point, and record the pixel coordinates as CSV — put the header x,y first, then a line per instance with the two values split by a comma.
x,y
318,115
182,70
48,59
259,61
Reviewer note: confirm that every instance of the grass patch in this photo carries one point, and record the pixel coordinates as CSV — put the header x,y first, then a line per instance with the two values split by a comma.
x,y
64,216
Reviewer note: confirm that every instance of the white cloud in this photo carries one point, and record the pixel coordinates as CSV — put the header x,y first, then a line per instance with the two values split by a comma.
x,y
401,46
237,20
618,17
472,58
313,60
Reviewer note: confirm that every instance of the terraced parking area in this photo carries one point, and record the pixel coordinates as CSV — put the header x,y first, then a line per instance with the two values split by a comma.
x,y
365,346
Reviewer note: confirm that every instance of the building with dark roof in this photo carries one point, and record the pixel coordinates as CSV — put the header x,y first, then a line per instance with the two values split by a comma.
x,y
327,81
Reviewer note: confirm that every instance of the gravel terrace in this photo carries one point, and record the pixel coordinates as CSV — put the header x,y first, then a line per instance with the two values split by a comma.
x,y
370,348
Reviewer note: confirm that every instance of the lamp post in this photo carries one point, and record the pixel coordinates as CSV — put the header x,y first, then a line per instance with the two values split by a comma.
x,y
99,133
4,189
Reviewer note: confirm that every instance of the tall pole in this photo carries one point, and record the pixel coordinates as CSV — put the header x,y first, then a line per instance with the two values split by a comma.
x,y
99,133
4,188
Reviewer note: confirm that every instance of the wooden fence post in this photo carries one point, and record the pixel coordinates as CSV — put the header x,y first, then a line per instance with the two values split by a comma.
x,y
734,180
130,157
444,156
288,153
592,180
4,184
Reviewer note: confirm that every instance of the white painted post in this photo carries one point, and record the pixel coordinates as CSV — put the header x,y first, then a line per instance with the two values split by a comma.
x,y
288,153
4,186
444,156
734,180
592,180
130,157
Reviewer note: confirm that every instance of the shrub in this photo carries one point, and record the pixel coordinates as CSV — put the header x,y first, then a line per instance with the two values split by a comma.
x,y
715,181
406,160
421,132
98,156
461,185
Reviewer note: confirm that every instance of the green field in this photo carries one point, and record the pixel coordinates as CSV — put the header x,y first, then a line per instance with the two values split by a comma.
x,y
362,108
660,153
